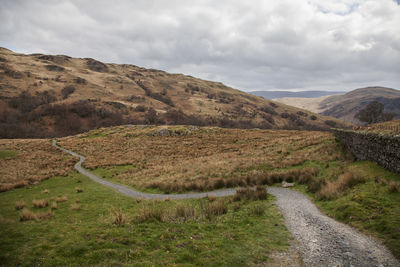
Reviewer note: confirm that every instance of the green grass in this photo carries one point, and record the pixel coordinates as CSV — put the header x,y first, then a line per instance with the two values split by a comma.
x,y
368,206
5,154
88,237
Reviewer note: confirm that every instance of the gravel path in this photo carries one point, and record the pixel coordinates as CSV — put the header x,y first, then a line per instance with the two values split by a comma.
x,y
137,194
322,240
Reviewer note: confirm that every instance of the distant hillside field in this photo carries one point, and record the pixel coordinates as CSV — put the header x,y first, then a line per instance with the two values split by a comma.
x,y
301,94
346,106
56,95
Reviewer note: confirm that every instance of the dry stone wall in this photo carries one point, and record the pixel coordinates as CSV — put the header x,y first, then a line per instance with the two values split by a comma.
x,y
383,149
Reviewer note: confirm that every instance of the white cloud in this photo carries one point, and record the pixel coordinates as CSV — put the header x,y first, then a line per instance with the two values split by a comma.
x,y
302,44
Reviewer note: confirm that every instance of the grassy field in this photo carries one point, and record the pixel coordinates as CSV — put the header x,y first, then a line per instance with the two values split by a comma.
x,y
178,159
85,223
98,226
28,161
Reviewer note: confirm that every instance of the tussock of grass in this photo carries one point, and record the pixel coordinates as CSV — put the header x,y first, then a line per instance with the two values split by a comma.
x,y
20,205
41,203
117,216
75,206
27,215
258,193
150,212
185,212
46,191
334,189
61,199
215,208
258,209
79,190
394,186
53,205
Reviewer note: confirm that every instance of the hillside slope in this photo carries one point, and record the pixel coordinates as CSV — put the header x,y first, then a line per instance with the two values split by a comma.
x,y
56,95
346,106
302,94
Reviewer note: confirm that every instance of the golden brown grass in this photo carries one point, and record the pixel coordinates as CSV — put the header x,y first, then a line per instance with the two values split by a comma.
x,y
79,190
27,215
394,186
209,158
40,203
35,160
332,189
61,199
53,205
215,208
46,191
258,193
185,212
118,217
149,211
20,205
75,206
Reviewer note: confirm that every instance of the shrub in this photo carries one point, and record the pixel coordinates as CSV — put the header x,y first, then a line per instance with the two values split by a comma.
x,y
42,203
66,91
27,215
118,217
313,117
20,205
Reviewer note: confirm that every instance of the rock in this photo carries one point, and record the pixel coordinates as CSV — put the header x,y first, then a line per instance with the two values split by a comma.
x,y
286,184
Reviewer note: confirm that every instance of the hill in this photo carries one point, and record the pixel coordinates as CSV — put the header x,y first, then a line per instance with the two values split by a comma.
x,y
346,106
57,95
302,94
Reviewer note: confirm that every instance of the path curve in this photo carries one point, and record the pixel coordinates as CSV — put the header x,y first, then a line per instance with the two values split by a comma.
x,y
322,240
137,194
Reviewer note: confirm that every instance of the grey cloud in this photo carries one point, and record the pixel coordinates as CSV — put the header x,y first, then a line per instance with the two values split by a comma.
x,y
250,45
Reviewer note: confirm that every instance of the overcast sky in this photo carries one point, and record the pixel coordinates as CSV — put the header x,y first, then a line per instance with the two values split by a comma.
x,y
249,45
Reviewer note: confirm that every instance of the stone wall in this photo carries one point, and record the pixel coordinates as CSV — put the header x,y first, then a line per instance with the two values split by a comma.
x,y
383,149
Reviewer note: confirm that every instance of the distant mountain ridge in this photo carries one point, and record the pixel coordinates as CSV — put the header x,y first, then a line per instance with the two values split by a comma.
x,y
303,94
346,106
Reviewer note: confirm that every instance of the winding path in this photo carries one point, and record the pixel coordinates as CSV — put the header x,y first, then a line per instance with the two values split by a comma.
x,y
322,240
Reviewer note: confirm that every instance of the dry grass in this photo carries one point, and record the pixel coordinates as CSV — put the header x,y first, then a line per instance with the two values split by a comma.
x,y
394,186
149,212
46,191
185,212
209,158
53,205
118,217
35,160
258,193
215,208
61,199
20,205
79,190
75,206
41,203
44,215
333,189
27,215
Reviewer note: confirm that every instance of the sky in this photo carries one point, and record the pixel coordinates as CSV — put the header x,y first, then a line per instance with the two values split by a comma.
x,y
333,45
